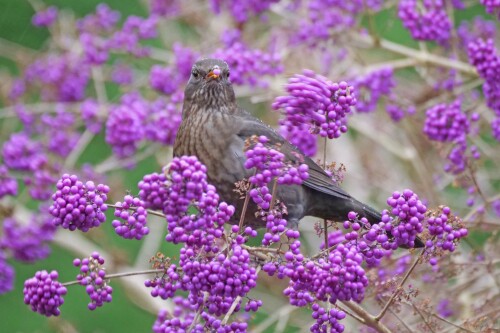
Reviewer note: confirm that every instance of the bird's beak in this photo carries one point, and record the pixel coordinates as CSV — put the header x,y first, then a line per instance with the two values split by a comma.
x,y
213,74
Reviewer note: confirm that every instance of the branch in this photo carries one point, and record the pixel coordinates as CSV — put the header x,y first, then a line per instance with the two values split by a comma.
x,y
419,55
368,319
150,211
398,289
118,275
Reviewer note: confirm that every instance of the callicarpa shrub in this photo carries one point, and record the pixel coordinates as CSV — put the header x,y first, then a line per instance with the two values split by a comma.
x,y
399,100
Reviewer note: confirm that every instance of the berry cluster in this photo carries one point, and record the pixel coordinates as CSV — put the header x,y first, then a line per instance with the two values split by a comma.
x,y
187,185
446,230
28,243
248,66
301,137
484,56
242,10
153,191
314,100
372,87
134,215
77,205
44,293
432,23
45,18
6,275
8,185
93,277
446,123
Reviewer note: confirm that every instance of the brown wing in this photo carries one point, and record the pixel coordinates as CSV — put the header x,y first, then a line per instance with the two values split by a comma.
x,y
318,179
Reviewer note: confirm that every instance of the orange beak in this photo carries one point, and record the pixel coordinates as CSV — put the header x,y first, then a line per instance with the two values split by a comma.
x,y
214,73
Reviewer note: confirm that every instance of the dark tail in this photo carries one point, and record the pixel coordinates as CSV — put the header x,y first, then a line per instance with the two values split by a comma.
x,y
374,216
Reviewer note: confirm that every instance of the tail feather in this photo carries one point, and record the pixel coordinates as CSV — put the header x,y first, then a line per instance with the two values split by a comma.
x,y
373,216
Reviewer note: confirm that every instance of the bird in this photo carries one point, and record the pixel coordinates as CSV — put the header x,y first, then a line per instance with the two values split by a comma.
x,y
214,129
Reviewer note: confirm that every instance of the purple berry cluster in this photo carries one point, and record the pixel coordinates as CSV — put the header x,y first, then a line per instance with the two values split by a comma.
x,y
446,230
136,119
6,275
225,276
371,87
164,8
269,164
446,122
61,78
492,6
242,10
104,19
28,243
45,18
301,137
163,120
338,276
409,213
44,294
430,23
168,79
93,277
134,215
153,191
316,101
484,56
181,318
8,185
77,205
90,113
165,284
248,66
21,153
124,126
479,28
326,19
326,320
397,112
187,185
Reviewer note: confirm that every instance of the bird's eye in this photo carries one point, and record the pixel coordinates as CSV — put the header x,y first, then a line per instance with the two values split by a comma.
x,y
228,73
195,73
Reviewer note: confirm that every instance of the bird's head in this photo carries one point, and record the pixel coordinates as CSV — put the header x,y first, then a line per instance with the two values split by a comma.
x,y
209,87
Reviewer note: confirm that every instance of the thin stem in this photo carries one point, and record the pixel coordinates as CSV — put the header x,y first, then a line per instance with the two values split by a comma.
x,y
398,289
77,151
235,303
369,320
423,318
118,275
421,56
150,211
325,223
245,207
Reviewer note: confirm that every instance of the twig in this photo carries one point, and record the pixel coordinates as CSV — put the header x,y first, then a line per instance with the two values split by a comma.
x,y
325,223
235,303
150,211
244,210
398,289
401,321
114,163
420,56
198,313
368,319
118,275
423,318
77,151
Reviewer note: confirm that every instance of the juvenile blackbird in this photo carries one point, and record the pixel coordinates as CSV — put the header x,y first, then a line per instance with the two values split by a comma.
x,y
214,129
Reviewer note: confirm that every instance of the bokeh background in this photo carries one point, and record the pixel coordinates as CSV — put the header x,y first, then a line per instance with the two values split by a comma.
x,y
379,155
